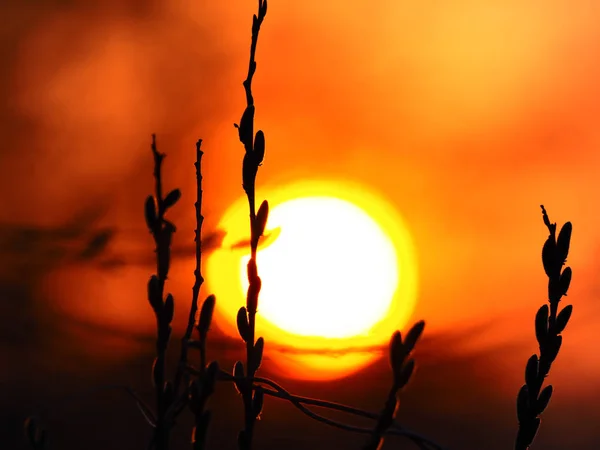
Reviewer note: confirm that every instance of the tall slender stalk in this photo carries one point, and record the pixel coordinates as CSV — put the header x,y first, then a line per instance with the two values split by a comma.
x,y
532,400
254,146
162,231
182,374
202,387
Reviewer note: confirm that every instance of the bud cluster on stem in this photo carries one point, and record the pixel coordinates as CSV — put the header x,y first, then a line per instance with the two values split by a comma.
x,y
532,400
254,153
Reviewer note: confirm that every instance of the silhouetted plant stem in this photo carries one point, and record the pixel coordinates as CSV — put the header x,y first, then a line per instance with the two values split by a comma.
x,y
197,393
198,278
254,146
162,231
549,324
402,371
169,401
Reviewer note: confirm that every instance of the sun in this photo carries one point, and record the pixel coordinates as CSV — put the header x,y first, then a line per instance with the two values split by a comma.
x,y
338,276
331,271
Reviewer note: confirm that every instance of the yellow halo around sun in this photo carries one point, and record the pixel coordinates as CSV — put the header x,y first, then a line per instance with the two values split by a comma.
x,y
338,276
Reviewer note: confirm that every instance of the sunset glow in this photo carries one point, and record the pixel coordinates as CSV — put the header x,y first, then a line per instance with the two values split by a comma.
x,y
408,148
330,272
338,273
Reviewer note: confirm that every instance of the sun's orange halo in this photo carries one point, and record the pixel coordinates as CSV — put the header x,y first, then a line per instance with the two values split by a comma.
x,y
338,272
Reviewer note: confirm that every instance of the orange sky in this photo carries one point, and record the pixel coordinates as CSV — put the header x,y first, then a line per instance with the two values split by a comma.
x,y
466,115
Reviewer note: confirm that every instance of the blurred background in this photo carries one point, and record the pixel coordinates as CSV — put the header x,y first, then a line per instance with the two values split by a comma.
x,y
465,115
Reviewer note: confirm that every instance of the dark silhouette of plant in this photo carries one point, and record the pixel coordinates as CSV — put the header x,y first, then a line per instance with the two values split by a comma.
x,y
402,370
162,231
532,400
169,401
254,146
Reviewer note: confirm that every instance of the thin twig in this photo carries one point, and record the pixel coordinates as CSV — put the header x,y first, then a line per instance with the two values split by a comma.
x,y
298,401
182,374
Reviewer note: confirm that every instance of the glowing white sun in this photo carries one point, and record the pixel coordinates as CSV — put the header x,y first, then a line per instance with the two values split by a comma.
x,y
331,271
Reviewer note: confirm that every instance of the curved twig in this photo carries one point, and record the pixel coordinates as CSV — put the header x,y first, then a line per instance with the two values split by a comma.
x,y
298,401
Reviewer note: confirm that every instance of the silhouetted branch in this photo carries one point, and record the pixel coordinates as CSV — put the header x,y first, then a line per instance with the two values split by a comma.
x,y
532,400
162,231
254,147
403,369
198,278
278,391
